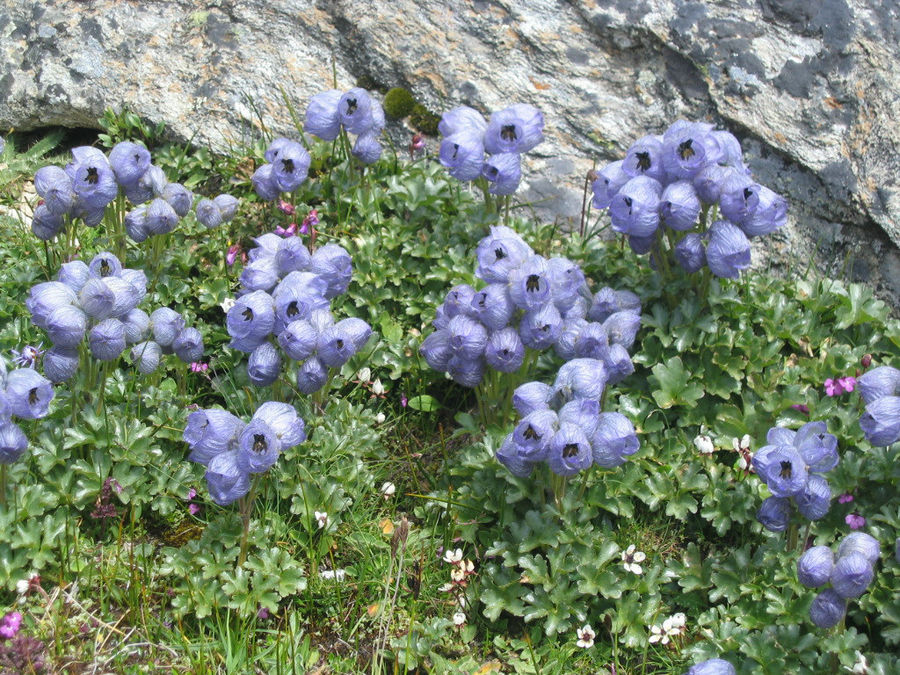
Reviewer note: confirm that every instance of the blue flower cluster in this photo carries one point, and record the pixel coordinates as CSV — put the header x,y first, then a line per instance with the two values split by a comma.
x,y
563,424
287,165
792,465
231,449
712,667
90,182
672,179
528,302
509,133
880,390
26,394
287,294
850,573
354,111
100,301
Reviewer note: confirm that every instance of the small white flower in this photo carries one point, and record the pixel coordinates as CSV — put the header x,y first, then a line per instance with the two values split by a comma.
x,y
741,444
457,574
459,618
337,575
704,444
446,588
861,667
657,635
380,418
227,304
363,374
632,558
586,636
22,586
377,387
321,518
453,557
742,463
388,490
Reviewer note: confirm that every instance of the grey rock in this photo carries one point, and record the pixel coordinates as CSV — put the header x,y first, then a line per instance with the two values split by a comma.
x,y
811,88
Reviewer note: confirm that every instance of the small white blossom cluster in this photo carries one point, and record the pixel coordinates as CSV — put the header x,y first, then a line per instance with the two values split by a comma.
x,y
586,636
671,628
632,559
460,572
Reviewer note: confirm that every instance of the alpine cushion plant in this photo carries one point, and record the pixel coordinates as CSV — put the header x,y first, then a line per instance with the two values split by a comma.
x,y
668,190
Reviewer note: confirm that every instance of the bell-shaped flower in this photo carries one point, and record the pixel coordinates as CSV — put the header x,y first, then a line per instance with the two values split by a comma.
x,y
125,295
150,185
644,158
688,148
618,364
827,609
105,264
225,480
642,245
137,325
146,356
814,566
738,197
613,440
635,208
514,130
333,264
136,278
583,413
166,325
367,149
136,224
54,186
311,376
298,339
709,181
74,274
569,451
355,110
503,172
568,338
357,329
260,275
264,184
690,253
466,371
129,161
292,256
851,575
881,421
579,378
321,319
541,328
45,225
504,351
782,468
90,216
774,513
728,250
566,282
622,327
608,301
66,326
534,432
283,419
712,667
322,115
436,350
459,301
107,340
530,397
492,306
508,456
60,363
211,432
769,215
878,382
264,365
44,297
250,320
291,167
859,542
817,446
13,442
467,337
179,198
29,393
188,346
97,299
499,253
609,181
335,345
160,217
679,205
93,180
530,285
814,500
460,118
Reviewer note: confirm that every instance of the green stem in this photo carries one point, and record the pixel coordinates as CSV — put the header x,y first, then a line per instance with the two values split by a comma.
x,y
246,507
4,477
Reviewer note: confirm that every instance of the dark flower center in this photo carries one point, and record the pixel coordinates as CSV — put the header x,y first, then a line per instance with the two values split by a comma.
x,y
287,165
492,172
643,160
33,396
339,343
499,253
351,106
531,434
105,269
247,314
570,450
748,192
259,443
92,176
533,283
292,309
455,150
786,469
508,132
482,297
685,151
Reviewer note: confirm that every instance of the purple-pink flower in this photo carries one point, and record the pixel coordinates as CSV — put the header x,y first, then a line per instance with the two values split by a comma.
x,y
10,624
285,207
840,386
233,252
845,498
854,521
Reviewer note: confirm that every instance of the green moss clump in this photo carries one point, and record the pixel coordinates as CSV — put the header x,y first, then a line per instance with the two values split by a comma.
x,y
425,121
398,103
367,82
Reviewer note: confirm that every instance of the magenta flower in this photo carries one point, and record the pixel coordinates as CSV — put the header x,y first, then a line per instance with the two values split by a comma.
x,y
840,386
311,220
197,367
403,400
848,383
233,252
193,509
191,494
854,521
10,624
288,231
845,498
285,207
802,407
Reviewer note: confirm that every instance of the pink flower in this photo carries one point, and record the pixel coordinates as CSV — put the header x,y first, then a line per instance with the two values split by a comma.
x,y
310,222
854,521
403,400
191,494
845,498
10,624
197,367
233,252
193,509
802,407
284,207
833,387
263,613
848,383
286,232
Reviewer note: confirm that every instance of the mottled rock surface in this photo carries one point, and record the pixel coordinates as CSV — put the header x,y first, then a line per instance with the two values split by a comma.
x,y
811,88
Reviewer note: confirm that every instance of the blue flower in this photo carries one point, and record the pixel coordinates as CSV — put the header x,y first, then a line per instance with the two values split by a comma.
x,y
609,181
769,214
634,210
531,396
260,275
137,325
814,500
712,667
459,301
179,198
814,566
436,350
92,178
333,264
466,371
774,513
515,129
283,419
622,327
322,115
29,393
311,376
687,148
146,356
881,421
504,351
608,301
129,161
46,225
467,337
460,118
879,382
728,250
54,186
492,306
570,451
499,253
44,297
225,480
534,433
529,284
618,364
851,575
107,340
367,149
782,468
291,166
508,455
690,253
592,342
66,326
613,440
644,158
166,325
541,328
211,432
336,345
503,171
817,446
292,256
679,205
264,365
250,320
463,154
258,447
579,378
188,346
160,217
13,442
136,224
709,181
566,282
298,339
263,181
583,413
60,363
859,542
355,110
150,185
827,609
74,274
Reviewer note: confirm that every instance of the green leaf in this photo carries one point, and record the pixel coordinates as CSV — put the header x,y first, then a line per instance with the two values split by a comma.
x,y
423,403
674,385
